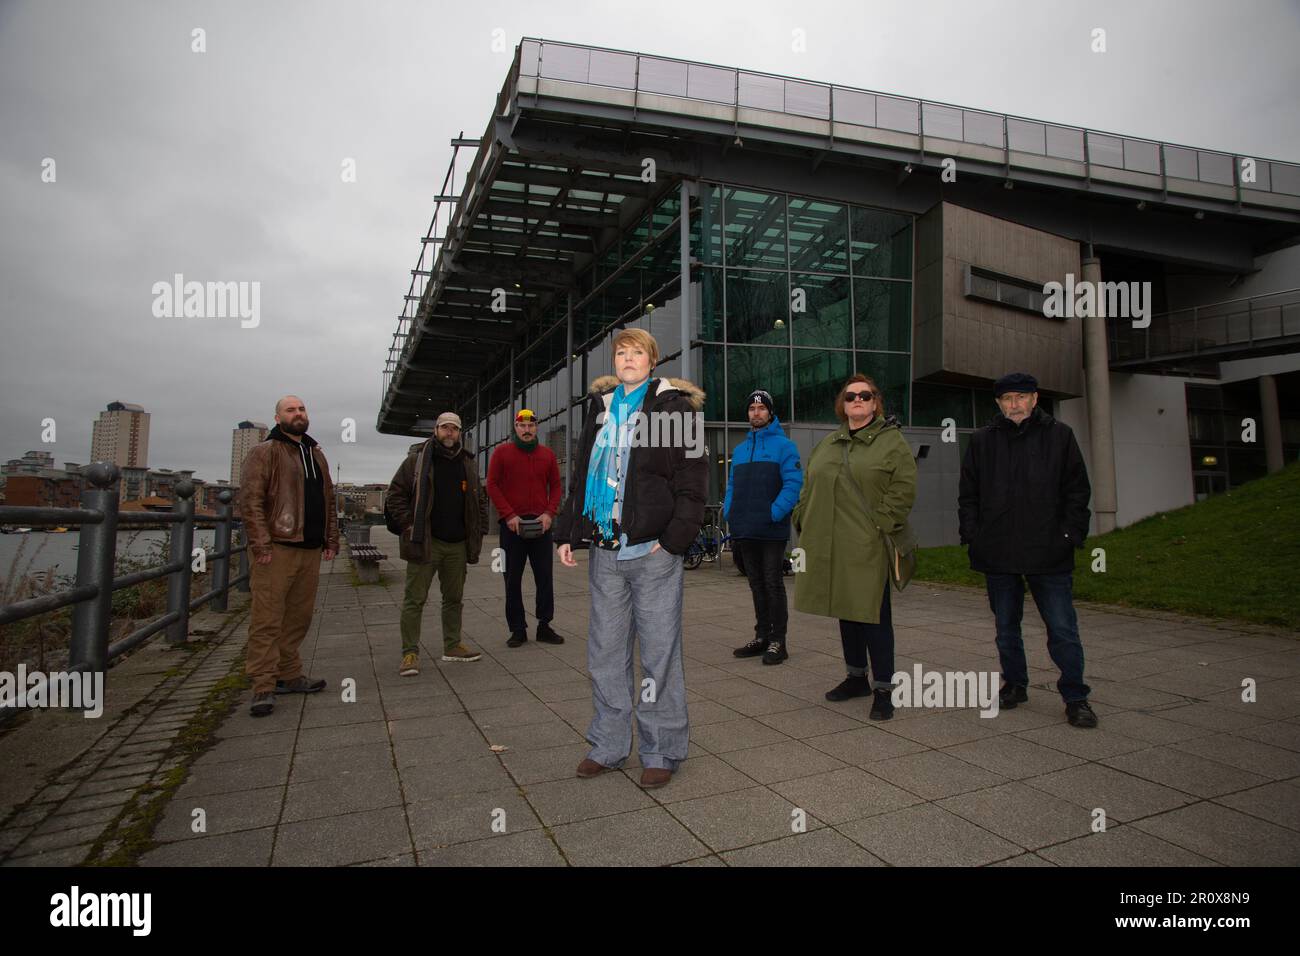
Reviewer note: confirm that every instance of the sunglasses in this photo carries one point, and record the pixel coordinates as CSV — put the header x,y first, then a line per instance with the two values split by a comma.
x,y
857,396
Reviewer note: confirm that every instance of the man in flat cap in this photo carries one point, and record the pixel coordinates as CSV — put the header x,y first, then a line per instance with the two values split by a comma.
x,y
1023,507
439,502
524,484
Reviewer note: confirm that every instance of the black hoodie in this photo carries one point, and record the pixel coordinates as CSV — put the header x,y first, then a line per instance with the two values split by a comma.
x,y
313,493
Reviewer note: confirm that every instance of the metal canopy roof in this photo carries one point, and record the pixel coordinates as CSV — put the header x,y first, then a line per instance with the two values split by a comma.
x,y
557,177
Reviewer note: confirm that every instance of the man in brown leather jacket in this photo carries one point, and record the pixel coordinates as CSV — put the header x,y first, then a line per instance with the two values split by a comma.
x,y
287,500
439,482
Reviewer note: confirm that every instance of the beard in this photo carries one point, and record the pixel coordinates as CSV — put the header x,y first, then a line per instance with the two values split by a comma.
x,y
296,427
448,442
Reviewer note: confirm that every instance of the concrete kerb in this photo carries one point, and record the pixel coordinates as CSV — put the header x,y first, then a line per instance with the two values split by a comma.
x,y
87,769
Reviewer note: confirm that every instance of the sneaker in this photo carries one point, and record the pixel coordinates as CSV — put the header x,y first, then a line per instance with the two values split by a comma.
x,y
1079,714
775,653
548,636
752,649
410,665
517,639
851,686
263,704
302,684
1012,694
882,708
460,654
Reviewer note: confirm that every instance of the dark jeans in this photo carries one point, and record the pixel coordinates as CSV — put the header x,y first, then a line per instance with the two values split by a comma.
x,y
764,563
1053,595
539,552
860,639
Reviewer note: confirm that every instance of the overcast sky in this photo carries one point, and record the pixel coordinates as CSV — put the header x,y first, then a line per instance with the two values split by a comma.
x,y
225,165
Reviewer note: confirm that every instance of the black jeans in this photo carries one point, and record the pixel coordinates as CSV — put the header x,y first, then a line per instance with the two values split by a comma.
x,y
764,563
860,639
539,552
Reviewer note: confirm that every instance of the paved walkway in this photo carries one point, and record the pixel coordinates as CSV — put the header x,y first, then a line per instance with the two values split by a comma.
x,y
1185,772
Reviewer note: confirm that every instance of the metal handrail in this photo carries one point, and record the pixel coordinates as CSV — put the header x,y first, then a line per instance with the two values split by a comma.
x,y
92,592
1086,133
1200,329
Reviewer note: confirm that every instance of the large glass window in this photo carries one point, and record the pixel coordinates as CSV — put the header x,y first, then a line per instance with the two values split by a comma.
x,y
755,233
821,311
749,368
819,236
818,376
882,244
758,307
709,292
883,314
931,404
715,401
893,376
707,237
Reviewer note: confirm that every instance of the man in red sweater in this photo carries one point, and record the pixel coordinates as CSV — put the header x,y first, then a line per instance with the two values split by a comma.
x,y
524,484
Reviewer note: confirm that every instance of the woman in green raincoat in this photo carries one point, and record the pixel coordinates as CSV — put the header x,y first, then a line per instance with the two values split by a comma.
x,y
846,574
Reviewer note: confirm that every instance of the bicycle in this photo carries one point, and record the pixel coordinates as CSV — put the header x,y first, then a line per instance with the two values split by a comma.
x,y
707,546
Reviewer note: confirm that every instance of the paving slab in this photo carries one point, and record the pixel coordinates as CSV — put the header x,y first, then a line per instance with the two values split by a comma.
x,y
1123,796
1021,814
222,813
927,835
338,841
846,794
531,848
649,837
824,847
1225,835
742,818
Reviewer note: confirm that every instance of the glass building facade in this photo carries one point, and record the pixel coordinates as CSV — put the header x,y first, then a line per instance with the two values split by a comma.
x,y
790,293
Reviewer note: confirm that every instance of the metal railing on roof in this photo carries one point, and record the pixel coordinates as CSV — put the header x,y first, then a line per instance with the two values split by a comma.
x,y
1208,331
926,119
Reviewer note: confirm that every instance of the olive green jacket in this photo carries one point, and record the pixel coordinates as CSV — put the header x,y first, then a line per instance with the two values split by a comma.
x,y
846,567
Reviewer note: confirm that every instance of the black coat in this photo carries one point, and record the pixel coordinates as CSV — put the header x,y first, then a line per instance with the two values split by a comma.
x,y
666,487
1023,503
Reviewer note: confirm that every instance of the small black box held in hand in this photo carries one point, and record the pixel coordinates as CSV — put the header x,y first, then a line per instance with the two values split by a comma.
x,y
531,527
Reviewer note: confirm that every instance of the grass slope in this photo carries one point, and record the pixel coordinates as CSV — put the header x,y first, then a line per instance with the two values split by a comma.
x,y
1235,555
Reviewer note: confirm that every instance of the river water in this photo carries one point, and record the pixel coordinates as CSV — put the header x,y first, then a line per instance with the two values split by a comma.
x,y
42,550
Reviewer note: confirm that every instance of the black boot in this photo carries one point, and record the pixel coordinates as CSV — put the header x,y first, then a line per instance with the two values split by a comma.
x,y
1012,694
851,686
546,635
882,708
517,639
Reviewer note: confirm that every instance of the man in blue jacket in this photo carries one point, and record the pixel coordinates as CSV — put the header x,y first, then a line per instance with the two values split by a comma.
x,y
761,492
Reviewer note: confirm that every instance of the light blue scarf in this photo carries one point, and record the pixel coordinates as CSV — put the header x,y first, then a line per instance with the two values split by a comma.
x,y
602,470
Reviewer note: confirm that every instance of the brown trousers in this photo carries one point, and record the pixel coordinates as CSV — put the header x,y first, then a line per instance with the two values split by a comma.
x,y
284,596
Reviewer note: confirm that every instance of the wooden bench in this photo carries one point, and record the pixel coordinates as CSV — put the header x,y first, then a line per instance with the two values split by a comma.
x,y
366,558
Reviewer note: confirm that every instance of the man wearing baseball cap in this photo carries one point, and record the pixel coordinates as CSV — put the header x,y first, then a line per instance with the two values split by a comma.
x,y
762,490
1023,507
439,503
524,484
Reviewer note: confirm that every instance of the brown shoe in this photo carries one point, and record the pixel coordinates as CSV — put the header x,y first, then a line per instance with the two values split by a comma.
x,y
652,778
589,768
